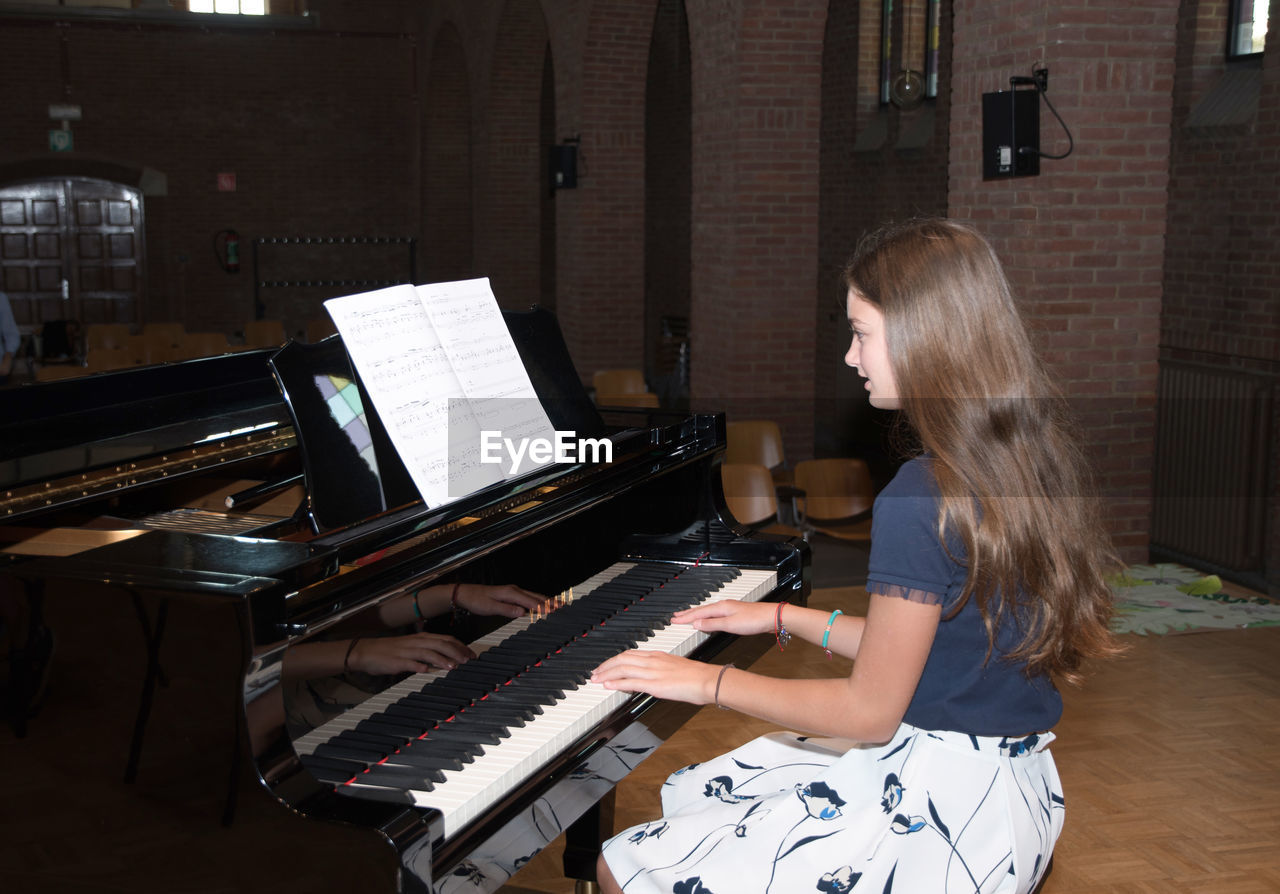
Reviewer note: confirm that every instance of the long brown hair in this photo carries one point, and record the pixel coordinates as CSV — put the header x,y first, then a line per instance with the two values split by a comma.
x,y
1014,486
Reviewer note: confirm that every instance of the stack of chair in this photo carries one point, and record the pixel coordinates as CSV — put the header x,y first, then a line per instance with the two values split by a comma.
x,y
622,388
160,342
100,359
202,344
264,334
319,329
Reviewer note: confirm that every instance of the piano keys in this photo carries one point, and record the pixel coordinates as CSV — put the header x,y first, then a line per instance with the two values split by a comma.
x,y
524,699
132,469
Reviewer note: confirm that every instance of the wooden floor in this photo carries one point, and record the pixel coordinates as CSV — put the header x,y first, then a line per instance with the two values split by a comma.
x,y
1169,757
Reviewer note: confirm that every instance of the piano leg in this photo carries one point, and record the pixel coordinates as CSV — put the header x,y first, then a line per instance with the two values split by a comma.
x,y
28,650
152,635
582,841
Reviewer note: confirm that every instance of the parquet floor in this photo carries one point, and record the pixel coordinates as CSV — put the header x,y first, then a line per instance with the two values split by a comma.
x,y
1169,759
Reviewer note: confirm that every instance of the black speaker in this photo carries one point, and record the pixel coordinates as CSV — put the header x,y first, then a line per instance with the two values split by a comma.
x,y
564,166
1010,134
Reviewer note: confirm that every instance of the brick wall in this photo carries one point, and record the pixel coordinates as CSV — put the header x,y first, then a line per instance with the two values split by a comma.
x,y
448,250
1082,242
756,104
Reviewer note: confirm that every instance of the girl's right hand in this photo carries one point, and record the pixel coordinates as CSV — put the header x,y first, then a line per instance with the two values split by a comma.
x,y
731,616
415,653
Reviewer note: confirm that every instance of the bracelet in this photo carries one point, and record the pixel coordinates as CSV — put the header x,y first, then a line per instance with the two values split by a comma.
x,y
346,660
781,633
826,634
417,609
719,680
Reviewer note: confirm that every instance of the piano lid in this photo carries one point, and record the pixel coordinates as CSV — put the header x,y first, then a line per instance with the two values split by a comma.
x,y
76,425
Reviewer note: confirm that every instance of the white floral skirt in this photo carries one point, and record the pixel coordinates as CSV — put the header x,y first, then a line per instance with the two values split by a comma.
x,y
937,812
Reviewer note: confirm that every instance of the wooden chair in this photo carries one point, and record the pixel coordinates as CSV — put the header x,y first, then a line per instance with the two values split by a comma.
x,y
838,495
159,342
105,335
264,333
757,441
54,371
100,359
619,381
628,399
171,331
320,329
752,498
203,344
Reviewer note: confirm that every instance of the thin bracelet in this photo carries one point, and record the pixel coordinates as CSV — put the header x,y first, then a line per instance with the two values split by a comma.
x,y
781,633
417,609
346,660
827,633
719,680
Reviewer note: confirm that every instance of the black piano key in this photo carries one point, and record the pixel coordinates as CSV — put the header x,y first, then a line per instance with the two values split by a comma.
x,y
428,700
365,739
332,777
425,716
315,762
343,752
395,763
388,726
473,734
397,777
419,755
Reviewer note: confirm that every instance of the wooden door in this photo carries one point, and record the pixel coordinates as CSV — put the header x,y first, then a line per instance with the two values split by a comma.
x,y
72,249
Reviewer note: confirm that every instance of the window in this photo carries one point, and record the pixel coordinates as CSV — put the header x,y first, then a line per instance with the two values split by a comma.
x,y
248,7
1248,28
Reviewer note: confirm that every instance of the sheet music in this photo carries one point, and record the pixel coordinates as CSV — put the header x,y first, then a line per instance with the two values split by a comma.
x,y
476,339
440,367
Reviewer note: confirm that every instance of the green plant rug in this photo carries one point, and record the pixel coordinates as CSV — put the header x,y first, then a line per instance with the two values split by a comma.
x,y
1174,599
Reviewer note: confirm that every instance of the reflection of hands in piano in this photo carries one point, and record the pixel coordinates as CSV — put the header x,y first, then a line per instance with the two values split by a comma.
x,y
508,601
660,674
414,653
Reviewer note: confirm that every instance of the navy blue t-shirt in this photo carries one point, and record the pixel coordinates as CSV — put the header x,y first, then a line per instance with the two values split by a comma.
x,y
956,691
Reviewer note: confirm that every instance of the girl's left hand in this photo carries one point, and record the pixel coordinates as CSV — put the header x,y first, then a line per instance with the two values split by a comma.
x,y
659,674
508,601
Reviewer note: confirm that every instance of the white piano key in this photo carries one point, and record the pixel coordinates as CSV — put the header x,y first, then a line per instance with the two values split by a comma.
x,y
465,794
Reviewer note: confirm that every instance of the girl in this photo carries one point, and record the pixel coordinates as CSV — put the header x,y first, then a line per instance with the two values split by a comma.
x,y
986,582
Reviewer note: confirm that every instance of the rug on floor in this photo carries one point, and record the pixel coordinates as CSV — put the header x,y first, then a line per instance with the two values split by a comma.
x,y
1168,598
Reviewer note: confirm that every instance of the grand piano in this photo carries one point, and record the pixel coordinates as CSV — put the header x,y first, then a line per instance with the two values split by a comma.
x,y
181,527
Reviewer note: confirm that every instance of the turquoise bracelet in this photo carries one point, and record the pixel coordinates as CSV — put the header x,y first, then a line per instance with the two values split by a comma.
x,y
826,634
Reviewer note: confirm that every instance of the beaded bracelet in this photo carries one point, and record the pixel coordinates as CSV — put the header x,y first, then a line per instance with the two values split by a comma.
x,y
719,680
781,633
826,634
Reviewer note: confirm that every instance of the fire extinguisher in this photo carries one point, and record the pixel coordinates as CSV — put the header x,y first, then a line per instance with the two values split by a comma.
x,y
226,250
